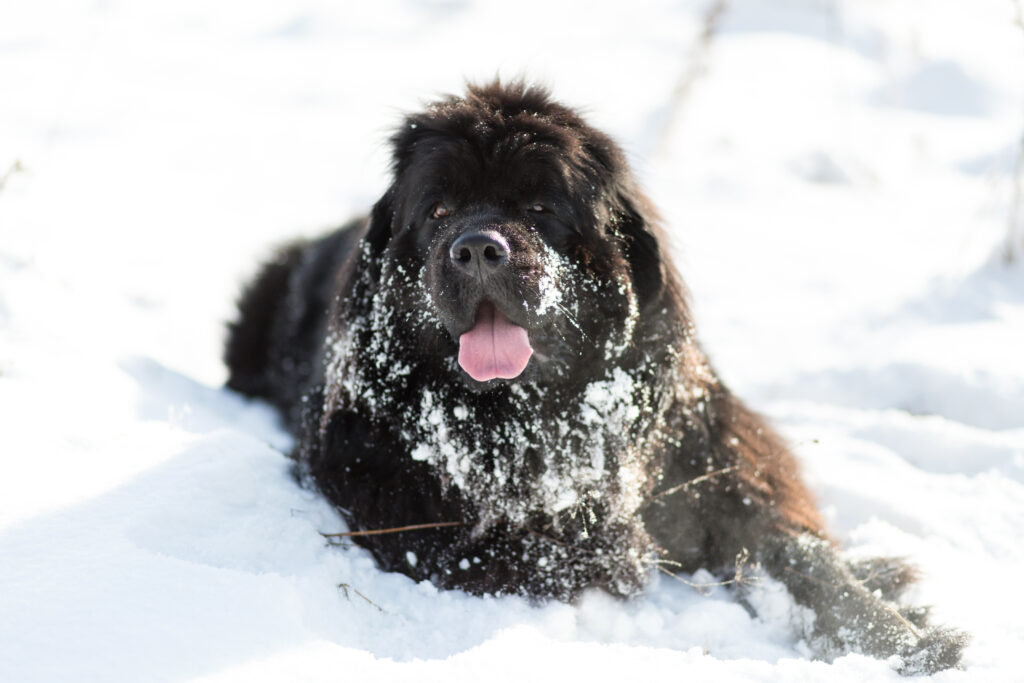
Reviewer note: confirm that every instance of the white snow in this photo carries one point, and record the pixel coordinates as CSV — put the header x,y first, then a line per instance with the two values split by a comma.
x,y
835,185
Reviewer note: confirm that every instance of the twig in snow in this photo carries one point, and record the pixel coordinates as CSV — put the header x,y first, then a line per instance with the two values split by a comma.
x,y
392,530
345,588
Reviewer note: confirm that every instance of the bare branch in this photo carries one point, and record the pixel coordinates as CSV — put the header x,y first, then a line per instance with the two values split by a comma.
x,y
1014,246
696,67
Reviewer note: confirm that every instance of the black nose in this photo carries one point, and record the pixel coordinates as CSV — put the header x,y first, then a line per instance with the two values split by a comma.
x,y
480,251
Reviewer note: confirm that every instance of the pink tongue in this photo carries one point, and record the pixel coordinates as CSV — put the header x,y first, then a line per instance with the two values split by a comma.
x,y
495,347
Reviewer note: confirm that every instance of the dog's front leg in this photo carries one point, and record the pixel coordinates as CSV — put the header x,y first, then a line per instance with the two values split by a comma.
x,y
851,612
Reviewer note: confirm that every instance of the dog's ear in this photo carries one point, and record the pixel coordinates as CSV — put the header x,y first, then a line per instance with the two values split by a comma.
x,y
381,224
403,143
636,223
630,216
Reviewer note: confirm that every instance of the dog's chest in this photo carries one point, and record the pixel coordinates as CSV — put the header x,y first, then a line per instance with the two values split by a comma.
x,y
523,453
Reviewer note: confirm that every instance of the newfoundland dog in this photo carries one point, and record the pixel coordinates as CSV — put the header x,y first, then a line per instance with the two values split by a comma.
x,y
496,373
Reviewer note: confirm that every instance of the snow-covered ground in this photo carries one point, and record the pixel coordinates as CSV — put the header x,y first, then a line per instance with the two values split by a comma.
x,y
835,183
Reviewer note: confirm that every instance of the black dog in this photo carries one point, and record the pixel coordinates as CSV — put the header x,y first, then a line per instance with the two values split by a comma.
x,y
501,357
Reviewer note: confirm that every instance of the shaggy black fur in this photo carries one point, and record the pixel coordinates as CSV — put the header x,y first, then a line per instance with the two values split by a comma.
x,y
616,450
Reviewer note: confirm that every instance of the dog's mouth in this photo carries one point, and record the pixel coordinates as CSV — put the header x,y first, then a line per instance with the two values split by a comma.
x,y
495,347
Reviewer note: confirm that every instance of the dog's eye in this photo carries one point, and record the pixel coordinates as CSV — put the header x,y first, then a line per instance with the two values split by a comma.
x,y
538,208
440,210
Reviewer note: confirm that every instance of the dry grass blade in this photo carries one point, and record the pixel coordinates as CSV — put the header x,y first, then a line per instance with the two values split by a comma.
x,y
693,482
345,588
392,530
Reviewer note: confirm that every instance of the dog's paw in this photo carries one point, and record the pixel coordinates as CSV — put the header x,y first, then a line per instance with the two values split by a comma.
x,y
937,650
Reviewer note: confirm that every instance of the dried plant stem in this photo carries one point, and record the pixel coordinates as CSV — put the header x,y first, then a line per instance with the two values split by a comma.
x,y
392,530
696,67
1014,248
15,167
345,588
740,578
693,482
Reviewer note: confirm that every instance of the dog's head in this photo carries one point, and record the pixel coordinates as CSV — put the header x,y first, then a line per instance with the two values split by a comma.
x,y
524,229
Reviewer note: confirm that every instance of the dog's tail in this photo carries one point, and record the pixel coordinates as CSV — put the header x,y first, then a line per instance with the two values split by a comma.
x,y
274,346
250,353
